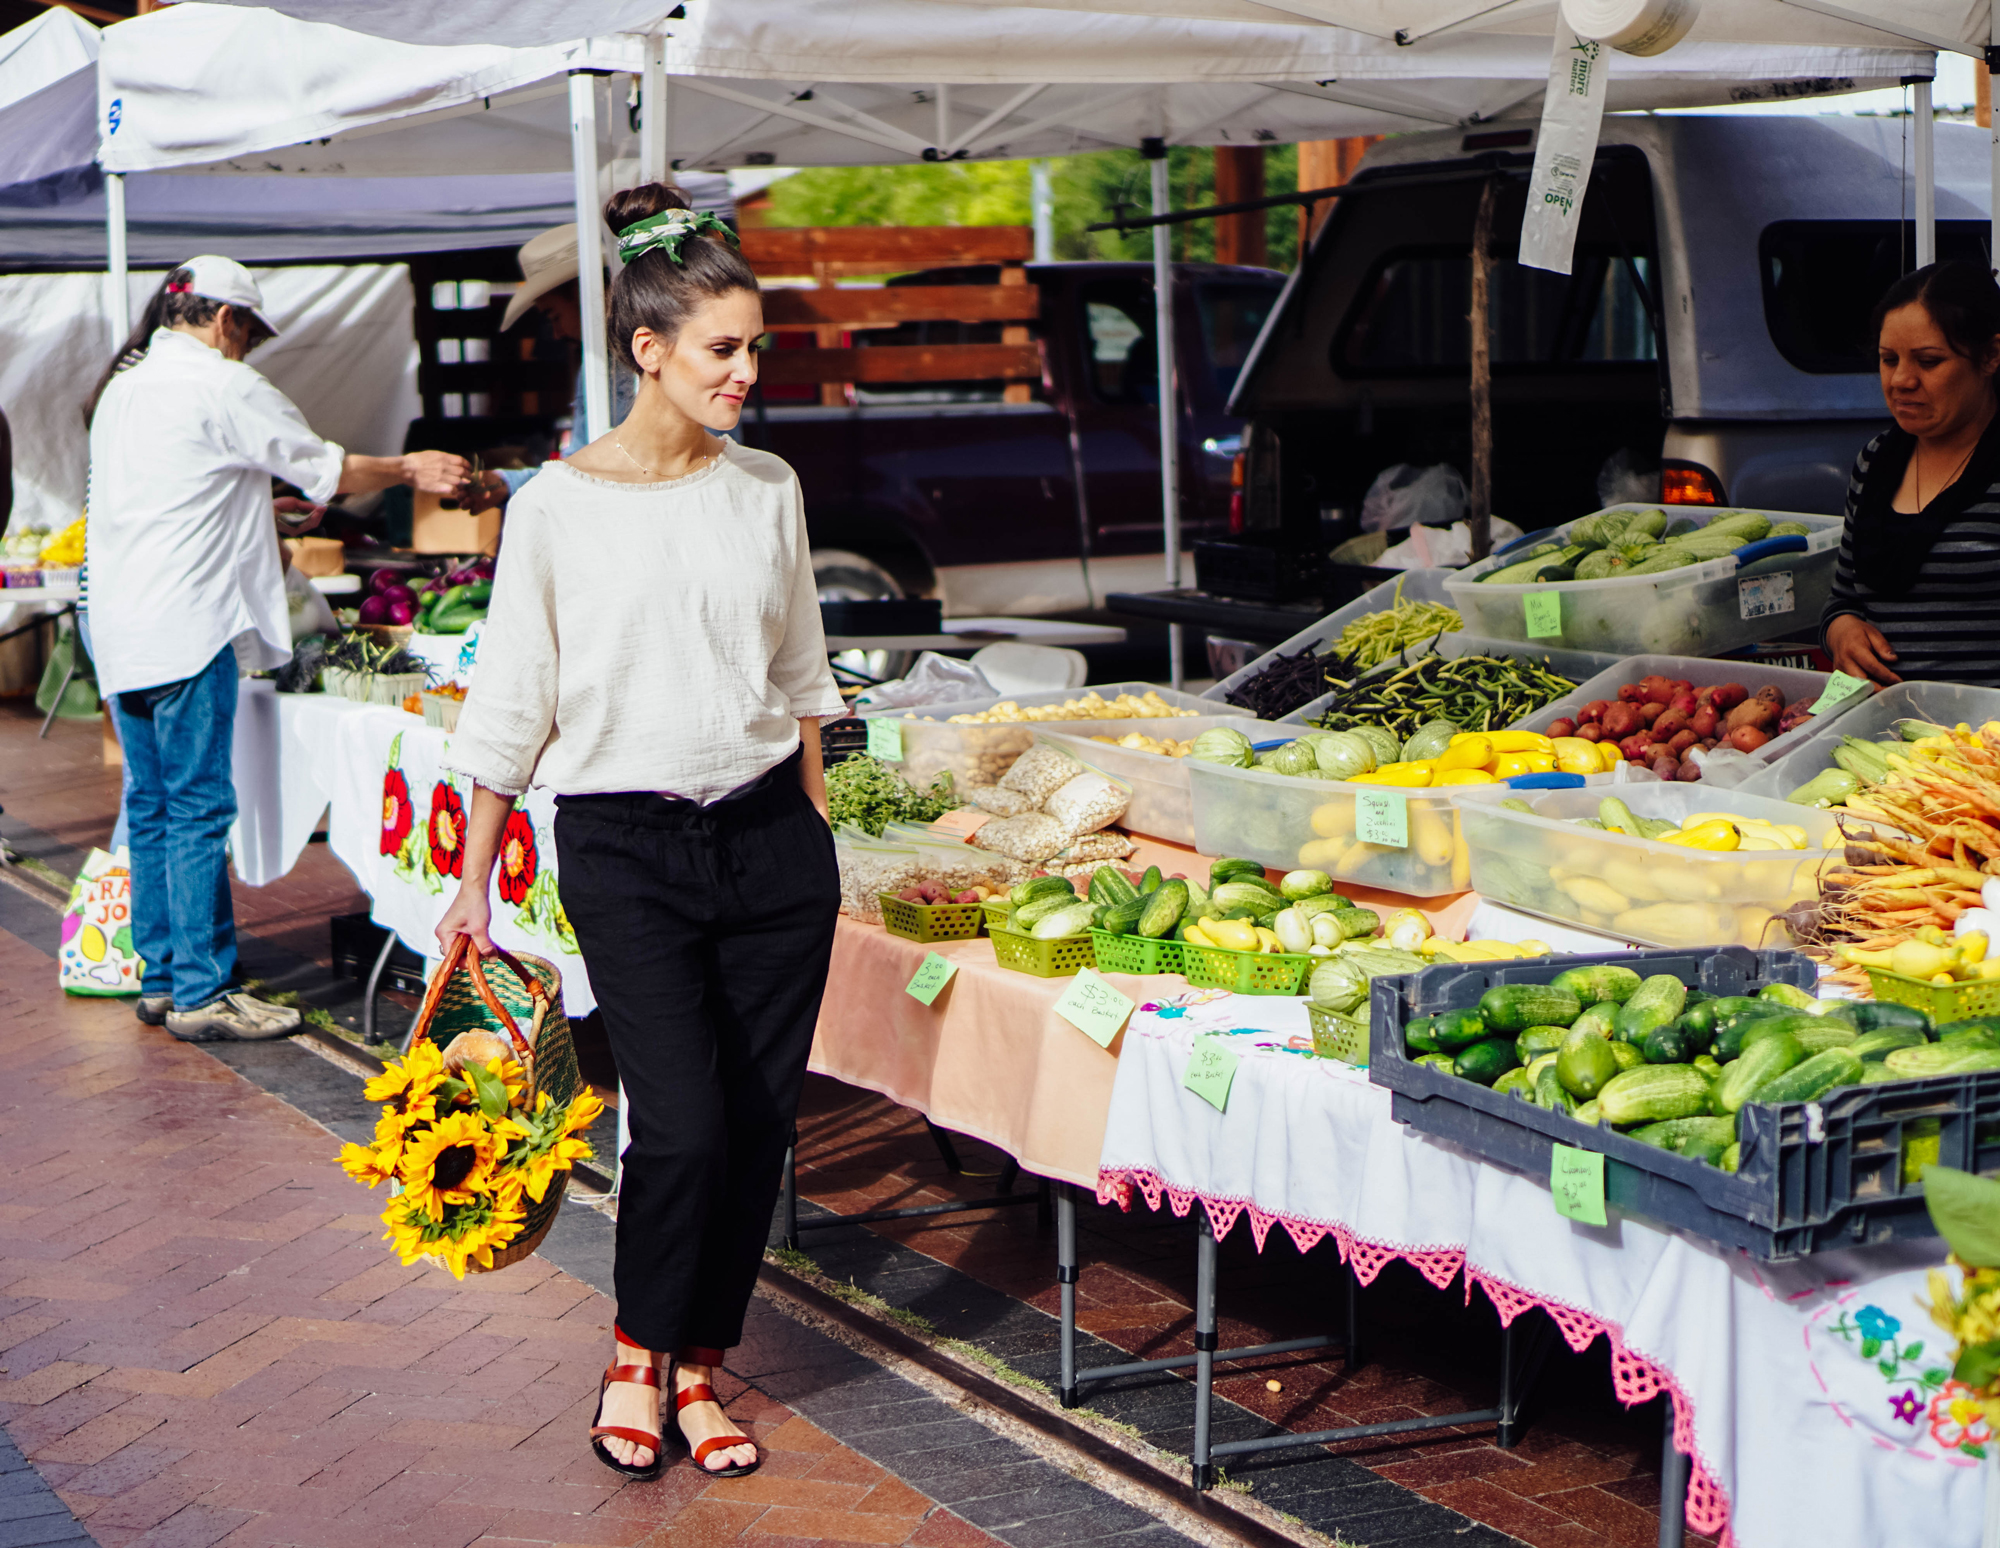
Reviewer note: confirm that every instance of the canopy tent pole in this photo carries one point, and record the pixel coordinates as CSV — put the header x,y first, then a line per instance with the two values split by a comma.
x,y
118,291
1041,201
596,404
655,113
1155,152
1923,145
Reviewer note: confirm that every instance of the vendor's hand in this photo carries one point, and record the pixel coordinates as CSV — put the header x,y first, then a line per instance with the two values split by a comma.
x,y
483,492
471,913
435,472
296,516
1859,649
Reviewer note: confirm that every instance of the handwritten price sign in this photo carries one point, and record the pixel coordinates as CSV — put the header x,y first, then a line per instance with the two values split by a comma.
x,y
933,973
1576,1178
1838,686
1211,1069
1094,1008
1382,817
885,739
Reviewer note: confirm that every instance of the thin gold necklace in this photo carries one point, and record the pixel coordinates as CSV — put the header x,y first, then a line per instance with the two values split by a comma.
x,y
651,473
1916,471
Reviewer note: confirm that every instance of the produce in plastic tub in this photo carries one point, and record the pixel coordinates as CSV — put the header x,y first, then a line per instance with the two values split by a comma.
x,y
1875,719
1698,609
1576,665
1162,806
1545,862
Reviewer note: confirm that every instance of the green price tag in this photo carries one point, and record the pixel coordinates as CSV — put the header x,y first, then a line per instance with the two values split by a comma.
x,y
1544,610
933,973
1210,1069
1576,1178
1094,1008
1382,817
885,739
1838,686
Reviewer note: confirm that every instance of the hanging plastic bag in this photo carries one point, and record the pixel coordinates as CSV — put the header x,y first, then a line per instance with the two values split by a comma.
x,y
934,679
1404,495
96,956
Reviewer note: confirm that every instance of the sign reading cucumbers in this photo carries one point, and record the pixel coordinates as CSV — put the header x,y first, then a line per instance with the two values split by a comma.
x,y
1576,1178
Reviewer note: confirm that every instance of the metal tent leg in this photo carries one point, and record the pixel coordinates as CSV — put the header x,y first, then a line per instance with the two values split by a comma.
x,y
1352,1352
1673,1483
1066,1276
1521,1357
1204,1346
791,1190
374,985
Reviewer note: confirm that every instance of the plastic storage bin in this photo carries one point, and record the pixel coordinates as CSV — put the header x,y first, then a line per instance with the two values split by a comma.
x,y
1640,889
1943,1003
1135,953
1577,665
1418,586
1245,972
1057,958
926,922
980,754
1712,674
1814,1176
1162,804
1697,610
1874,720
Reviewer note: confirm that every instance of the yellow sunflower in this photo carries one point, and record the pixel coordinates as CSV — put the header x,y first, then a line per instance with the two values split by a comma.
x,y
406,1230
415,1073
465,1175
475,1239
583,1112
366,1165
538,1168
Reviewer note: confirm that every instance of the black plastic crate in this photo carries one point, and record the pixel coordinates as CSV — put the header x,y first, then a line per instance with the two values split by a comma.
x,y
1259,569
1814,1176
840,738
357,941
892,615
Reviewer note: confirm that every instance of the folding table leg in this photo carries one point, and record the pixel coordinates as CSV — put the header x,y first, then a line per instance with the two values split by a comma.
x,y
1066,1277
374,983
791,1190
1204,1346
1673,1483
1351,1355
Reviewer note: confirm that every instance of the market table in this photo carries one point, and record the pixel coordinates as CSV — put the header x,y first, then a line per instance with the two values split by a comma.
x,y
1823,1369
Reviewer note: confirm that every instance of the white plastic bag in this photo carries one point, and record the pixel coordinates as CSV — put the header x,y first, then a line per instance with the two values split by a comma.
x,y
934,679
1404,495
1442,548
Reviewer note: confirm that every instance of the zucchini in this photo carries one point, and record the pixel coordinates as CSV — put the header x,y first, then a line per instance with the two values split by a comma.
x,y
1812,1078
1597,981
1790,994
1516,1007
1676,1134
1878,1073
1417,1036
1123,918
1459,1029
1515,1082
1674,1043
1876,1015
1485,1062
1597,1019
1657,1001
1584,1064
1162,909
1040,887
1763,1061
1073,920
1153,878
1110,885
1034,912
1627,1056
1875,1046
1655,1092
1536,1041
1225,870
1550,1091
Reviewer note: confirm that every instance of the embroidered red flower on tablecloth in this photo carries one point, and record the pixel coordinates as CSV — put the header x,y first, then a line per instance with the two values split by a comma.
x,y
398,815
517,857
447,830
1958,1419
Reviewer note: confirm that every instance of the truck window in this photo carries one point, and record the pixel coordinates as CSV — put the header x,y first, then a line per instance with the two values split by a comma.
x,y
1822,279
1231,318
1118,321
1409,316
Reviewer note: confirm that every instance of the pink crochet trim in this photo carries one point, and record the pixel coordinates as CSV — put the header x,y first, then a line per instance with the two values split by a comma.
x,y
1634,1378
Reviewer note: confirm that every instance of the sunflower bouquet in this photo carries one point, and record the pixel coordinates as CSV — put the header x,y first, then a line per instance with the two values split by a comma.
x,y
464,1139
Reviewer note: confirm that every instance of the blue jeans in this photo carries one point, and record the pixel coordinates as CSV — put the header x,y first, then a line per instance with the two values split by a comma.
x,y
121,834
180,800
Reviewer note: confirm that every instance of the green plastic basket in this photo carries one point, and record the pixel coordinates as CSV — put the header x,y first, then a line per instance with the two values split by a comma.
x,y
1135,953
998,912
1057,958
1941,1002
1246,972
1339,1037
929,921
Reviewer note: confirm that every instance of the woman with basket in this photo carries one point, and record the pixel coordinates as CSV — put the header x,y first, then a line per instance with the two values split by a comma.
x,y
653,653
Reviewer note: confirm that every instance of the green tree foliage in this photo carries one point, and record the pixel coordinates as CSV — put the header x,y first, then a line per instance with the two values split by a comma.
x,y
1086,189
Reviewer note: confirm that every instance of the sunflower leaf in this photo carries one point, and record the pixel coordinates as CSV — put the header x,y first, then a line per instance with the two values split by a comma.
x,y
490,1089
1978,1364
449,1090
1966,1211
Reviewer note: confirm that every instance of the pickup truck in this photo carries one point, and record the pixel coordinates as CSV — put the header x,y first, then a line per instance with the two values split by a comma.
x,y
1031,507
1709,348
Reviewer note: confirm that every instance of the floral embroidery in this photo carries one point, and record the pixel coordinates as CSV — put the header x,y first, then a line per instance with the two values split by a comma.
x,y
1906,1405
1872,1333
446,831
1958,1420
398,815
518,860
1877,1328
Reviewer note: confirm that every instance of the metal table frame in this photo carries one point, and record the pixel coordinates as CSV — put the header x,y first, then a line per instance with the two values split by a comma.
x,y
1005,1198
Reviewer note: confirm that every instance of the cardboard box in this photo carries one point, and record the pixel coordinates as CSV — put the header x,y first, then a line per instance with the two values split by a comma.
x,y
435,530
317,555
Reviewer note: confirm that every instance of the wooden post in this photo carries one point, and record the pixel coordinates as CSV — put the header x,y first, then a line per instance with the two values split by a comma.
x,y
1481,497
1015,333
1239,175
1325,164
831,394
1982,95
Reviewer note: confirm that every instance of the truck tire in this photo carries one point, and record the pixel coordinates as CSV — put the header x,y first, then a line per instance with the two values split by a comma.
x,y
840,575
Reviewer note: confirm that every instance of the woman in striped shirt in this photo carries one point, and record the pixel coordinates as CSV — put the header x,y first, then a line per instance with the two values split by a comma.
x,y
1916,593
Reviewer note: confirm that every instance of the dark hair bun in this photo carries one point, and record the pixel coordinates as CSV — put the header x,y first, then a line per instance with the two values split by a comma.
x,y
642,203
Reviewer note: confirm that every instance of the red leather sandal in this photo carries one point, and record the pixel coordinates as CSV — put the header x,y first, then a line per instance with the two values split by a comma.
x,y
702,1392
645,1376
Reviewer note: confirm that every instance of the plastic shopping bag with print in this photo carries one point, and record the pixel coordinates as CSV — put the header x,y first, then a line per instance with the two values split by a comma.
x,y
96,955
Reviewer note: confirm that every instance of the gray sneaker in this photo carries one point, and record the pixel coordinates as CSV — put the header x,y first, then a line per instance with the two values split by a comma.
x,y
152,1009
239,1018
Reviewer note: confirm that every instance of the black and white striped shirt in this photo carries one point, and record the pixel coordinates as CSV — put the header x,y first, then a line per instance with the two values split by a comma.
x,y
1946,627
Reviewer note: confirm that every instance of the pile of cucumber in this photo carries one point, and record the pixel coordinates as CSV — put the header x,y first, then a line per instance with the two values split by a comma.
x,y
1674,1066
1048,908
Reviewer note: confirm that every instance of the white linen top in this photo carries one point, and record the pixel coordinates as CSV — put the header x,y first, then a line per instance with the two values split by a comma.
x,y
648,637
180,547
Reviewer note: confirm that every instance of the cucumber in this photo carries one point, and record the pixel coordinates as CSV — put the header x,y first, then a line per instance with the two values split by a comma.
x,y
1588,1112
1699,1020
1812,1078
1436,1061
1356,922
1878,1073
1936,1059
1515,1082
1597,1019
1657,1001
1674,1043
1794,1026
1598,981
1875,1015
1153,878
1458,1029
1627,1056
1584,1064
1224,870
1764,1060
1485,1062
1536,1041
1110,885
1040,887
1123,918
1789,994
1676,1134
1162,909
1550,1091
1655,1092
1730,1158
1874,1047
1828,1033
1516,1007
1254,896
1073,920
1975,1032
1034,912
1734,1035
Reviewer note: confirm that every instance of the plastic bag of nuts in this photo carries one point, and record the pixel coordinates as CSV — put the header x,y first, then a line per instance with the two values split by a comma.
x,y
1087,802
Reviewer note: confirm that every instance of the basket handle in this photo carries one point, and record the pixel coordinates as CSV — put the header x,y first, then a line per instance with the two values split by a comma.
x,y
460,954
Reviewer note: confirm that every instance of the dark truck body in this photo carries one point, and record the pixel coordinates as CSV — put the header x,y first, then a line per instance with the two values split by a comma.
x,y
1036,507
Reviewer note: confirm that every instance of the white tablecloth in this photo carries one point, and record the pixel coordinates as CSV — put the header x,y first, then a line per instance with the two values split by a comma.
x,y
1806,1392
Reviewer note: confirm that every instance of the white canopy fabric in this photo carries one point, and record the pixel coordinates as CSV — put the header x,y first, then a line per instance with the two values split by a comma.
x,y
48,100
792,82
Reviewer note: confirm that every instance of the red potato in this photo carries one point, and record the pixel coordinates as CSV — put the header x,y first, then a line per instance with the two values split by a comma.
x,y
1667,766
1727,697
1761,713
1706,744
1631,693
967,896
911,895
1655,690
1748,738
1683,685
1670,725
1595,709
1690,772
1561,728
1684,701
1590,731
1704,721
1680,742
1703,695
1636,749
1652,710
1621,720
1796,714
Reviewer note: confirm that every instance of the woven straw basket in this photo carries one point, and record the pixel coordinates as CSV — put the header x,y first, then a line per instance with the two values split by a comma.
x,y
462,999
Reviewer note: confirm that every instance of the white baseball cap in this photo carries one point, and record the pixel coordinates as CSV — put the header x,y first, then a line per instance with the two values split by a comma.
x,y
226,280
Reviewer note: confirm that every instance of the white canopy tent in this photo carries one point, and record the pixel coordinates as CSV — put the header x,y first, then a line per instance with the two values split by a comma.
x,y
48,103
